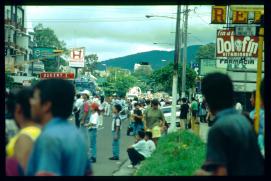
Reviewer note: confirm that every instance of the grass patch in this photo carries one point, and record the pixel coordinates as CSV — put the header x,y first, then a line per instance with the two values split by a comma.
x,y
177,154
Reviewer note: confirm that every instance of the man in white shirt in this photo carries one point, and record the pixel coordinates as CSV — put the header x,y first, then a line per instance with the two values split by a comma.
x,y
150,144
76,110
138,151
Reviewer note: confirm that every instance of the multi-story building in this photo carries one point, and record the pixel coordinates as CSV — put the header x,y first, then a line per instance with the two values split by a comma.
x,y
143,66
17,50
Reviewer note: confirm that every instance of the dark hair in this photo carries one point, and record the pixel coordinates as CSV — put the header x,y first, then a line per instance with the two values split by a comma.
x,y
155,102
136,104
184,100
193,99
23,99
262,90
118,107
149,134
60,93
217,88
78,96
148,101
141,134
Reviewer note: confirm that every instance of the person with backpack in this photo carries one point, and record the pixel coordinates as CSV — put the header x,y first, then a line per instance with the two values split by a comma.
x,y
116,124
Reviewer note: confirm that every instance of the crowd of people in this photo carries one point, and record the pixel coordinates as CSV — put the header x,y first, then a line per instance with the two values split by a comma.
x,y
35,146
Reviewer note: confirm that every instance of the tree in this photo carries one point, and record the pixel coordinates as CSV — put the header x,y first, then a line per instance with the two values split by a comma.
x,y
91,62
205,52
46,37
161,80
119,81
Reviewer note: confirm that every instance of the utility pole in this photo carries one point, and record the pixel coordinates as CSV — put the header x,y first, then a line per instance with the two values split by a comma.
x,y
172,127
184,52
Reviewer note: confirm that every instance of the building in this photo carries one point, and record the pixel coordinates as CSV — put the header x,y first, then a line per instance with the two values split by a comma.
x,y
17,50
142,66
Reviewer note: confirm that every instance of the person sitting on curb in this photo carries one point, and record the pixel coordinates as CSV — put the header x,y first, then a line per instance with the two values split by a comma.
x,y
150,144
138,151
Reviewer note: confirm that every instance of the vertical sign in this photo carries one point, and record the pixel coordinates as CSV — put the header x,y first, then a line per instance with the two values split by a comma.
x,y
77,57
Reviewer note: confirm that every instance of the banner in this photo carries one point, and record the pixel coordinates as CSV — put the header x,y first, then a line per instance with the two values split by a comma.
x,y
44,52
229,45
77,57
60,75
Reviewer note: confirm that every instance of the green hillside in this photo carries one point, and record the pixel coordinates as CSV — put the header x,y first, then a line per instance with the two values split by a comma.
x,y
154,58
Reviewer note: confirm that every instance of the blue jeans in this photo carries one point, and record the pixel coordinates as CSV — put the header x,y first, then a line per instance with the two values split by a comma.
x,y
138,127
116,145
93,138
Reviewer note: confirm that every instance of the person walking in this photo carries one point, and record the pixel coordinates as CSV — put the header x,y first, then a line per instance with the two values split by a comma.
x,y
84,109
137,117
20,146
154,120
116,125
60,150
194,111
232,143
202,111
92,126
78,103
183,113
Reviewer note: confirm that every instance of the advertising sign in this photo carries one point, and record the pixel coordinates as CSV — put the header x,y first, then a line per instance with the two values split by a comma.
x,y
44,52
229,45
238,63
60,75
218,15
77,57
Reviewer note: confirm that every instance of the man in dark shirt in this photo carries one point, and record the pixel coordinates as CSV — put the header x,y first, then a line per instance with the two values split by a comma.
x,y
184,112
137,116
232,143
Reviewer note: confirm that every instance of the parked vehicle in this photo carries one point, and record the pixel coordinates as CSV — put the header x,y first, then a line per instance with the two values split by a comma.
x,y
167,113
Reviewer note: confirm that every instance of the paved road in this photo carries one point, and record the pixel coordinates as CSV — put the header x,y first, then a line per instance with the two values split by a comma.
x,y
104,166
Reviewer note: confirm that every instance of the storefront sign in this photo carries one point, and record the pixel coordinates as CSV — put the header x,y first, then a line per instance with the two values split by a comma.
x,y
229,45
60,75
77,57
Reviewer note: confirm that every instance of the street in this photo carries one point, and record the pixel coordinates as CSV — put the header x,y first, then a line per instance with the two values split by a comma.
x,y
104,166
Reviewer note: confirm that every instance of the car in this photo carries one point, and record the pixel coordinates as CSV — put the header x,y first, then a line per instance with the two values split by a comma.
x,y
167,114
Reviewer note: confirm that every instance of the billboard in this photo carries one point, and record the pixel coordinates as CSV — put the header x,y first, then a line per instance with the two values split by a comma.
x,y
237,14
77,57
60,75
44,52
230,45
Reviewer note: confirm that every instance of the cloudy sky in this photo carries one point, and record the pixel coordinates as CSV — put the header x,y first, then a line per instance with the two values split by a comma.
x,y
115,31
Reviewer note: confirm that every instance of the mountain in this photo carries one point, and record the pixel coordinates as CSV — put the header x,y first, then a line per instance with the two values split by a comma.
x,y
154,58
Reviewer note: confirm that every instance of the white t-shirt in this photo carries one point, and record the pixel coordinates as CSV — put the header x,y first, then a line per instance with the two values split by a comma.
x,y
117,120
94,119
151,146
142,148
78,103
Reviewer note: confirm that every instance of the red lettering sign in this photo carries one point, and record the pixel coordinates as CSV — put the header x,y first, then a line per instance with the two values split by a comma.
x,y
60,75
229,45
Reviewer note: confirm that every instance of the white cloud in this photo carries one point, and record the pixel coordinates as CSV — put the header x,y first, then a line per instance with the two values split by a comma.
x,y
114,31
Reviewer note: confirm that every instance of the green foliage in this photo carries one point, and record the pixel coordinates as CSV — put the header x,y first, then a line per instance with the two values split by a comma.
x,y
46,37
90,63
8,80
119,81
161,80
177,154
206,52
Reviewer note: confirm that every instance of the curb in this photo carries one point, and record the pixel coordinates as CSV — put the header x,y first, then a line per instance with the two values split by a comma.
x,y
123,170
